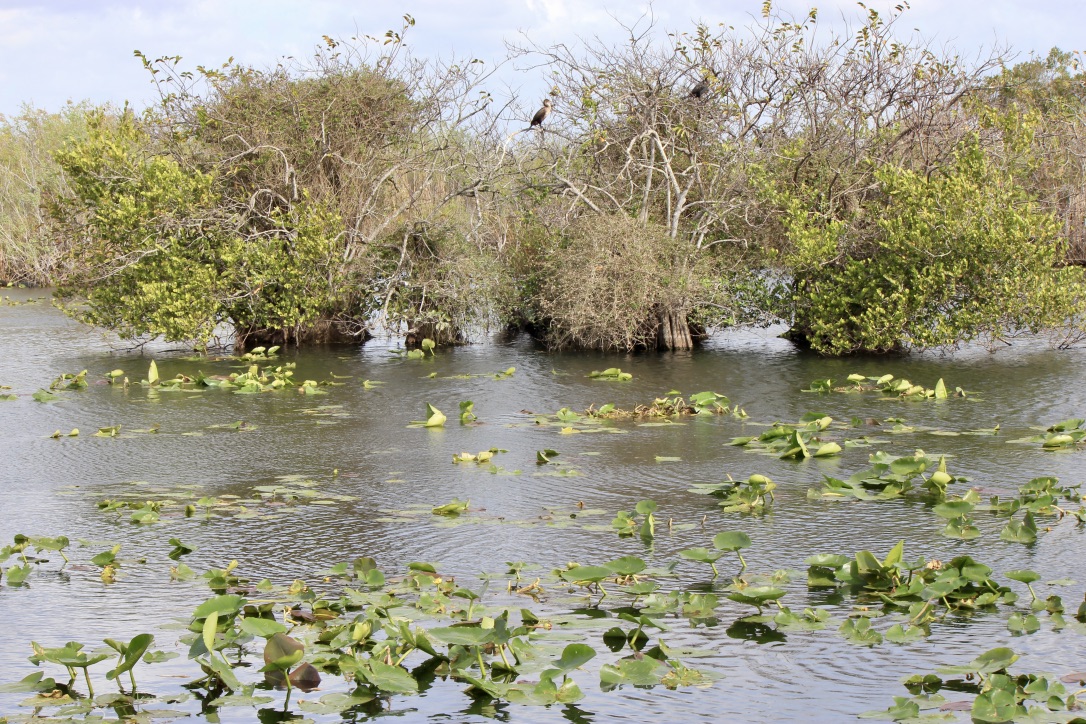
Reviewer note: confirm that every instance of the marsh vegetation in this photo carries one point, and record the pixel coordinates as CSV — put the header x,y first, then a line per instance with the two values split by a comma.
x,y
870,192
331,534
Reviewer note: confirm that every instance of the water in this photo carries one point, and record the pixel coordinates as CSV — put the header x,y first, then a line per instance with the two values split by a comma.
x,y
51,487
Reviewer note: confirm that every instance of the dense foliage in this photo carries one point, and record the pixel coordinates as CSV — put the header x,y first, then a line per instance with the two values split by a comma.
x,y
157,257
869,192
930,261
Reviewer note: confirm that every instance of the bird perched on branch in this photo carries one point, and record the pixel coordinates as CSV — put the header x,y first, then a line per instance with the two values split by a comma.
x,y
700,89
541,114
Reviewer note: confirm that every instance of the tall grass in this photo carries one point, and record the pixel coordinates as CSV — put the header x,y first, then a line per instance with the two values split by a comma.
x,y
29,177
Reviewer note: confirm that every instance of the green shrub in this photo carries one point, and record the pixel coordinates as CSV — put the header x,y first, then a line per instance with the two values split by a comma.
x,y
931,260
151,254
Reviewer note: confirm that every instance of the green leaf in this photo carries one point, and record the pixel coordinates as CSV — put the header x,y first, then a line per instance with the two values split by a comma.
x,y
826,450
179,549
1023,576
997,705
209,628
434,417
453,509
282,652
261,627
894,556
701,555
631,672
472,635
573,656
393,679
953,509
29,683
989,662
756,595
731,541
586,574
223,671
228,604
626,566
134,650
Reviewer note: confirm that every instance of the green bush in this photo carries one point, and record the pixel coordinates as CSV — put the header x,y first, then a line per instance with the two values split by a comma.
x,y
152,255
931,260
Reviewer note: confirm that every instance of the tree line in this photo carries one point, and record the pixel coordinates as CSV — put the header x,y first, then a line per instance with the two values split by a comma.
x,y
872,192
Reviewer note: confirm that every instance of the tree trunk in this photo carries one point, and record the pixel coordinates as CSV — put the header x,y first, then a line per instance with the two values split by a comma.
x,y
675,331
321,332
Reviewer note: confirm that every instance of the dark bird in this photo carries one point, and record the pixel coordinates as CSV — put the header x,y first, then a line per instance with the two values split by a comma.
x,y
700,89
541,114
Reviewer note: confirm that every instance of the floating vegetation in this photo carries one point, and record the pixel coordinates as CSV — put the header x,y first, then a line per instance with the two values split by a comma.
x,y
69,381
260,353
890,477
570,422
427,345
481,458
888,385
640,520
7,301
753,496
1064,435
502,375
611,373
1040,496
672,404
146,506
453,509
16,574
364,635
999,695
728,542
921,587
795,442
539,635
255,379
434,418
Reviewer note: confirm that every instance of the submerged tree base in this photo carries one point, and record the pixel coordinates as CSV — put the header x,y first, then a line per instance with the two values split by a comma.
x,y
321,332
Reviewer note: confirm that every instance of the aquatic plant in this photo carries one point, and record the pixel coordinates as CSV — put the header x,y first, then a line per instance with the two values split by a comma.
x,y
753,496
794,442
889,477
1000,695
888,385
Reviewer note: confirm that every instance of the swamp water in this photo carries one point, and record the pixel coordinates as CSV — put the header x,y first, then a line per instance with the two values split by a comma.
x,y
307,481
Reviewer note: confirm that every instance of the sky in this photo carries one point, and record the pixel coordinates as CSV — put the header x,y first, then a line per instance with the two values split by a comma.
x,y
55,51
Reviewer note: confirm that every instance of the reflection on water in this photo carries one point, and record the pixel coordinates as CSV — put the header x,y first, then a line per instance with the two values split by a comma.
x,y
50,487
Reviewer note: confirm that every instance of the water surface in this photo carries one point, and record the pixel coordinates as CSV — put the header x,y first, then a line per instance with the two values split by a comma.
x,y
51,487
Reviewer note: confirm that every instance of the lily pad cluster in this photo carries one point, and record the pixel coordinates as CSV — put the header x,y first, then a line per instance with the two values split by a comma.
x,y
888,385
671,404
755,495
1063,435
795,442
999,696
